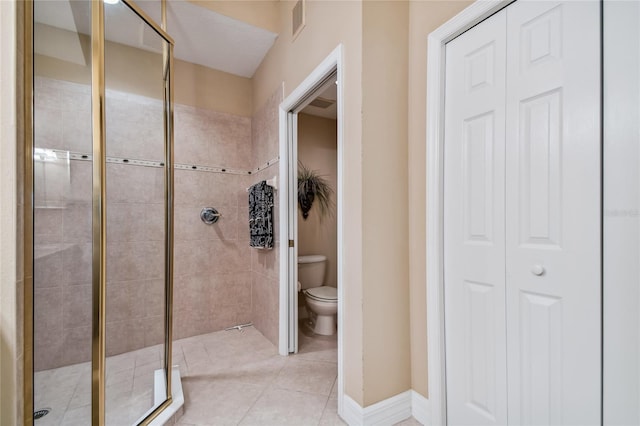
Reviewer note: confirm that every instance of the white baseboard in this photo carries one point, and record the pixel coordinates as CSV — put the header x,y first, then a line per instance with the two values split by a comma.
x,y
384,413
420,408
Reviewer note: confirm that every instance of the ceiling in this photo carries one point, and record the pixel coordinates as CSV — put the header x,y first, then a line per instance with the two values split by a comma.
x,y
201,35
330,94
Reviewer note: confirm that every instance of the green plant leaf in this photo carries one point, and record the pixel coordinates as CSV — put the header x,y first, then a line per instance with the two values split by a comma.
x,y
313,187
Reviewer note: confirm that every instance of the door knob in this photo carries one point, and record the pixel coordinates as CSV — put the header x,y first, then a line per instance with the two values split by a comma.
x,y
537,270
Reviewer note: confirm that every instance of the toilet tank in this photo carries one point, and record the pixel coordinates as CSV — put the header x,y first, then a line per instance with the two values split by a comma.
x,y
311,270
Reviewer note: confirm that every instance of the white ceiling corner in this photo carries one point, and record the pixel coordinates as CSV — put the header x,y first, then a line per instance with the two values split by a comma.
x,y
216,41
201,35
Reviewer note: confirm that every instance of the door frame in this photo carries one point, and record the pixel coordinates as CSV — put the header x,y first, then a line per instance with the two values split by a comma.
x,y
470,16
288,112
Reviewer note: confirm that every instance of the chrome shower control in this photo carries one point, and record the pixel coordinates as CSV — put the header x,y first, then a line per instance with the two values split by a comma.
x,y
209,215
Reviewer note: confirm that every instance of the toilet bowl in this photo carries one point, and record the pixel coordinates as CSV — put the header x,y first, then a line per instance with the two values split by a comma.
x,y
321,300
323,304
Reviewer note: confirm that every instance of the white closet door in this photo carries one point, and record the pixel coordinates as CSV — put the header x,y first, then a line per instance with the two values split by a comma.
x,y
474,225
553,212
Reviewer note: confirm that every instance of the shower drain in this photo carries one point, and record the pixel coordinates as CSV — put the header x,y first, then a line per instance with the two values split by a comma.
x,y
41,413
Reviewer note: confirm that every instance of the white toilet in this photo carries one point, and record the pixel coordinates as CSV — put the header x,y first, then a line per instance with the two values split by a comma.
x,y
321,300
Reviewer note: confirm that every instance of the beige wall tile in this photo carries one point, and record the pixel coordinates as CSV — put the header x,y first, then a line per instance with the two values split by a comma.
x,y
77,345
264,130
124,336
193,293
189,227
47,129
47,225
48,265
47,350
154,330
265,306
231,289
76,128
230,141
77,263
154,298
191,259
229,256
81,178
135,222
123,300
191,135
76,223
126,183
47,305
135,261
77,305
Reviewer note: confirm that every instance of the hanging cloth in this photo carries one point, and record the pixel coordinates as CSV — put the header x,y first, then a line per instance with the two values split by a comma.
x,y
261,215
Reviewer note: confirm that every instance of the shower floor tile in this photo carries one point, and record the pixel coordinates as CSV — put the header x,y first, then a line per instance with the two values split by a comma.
x,y
66,391
228,378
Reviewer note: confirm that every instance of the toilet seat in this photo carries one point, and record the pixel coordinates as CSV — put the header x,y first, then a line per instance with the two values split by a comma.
x,y
322,294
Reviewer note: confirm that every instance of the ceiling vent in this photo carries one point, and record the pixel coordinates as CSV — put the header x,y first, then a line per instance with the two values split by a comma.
x,y
322,103
298,18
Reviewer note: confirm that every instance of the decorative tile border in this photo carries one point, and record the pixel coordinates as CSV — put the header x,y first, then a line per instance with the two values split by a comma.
x,y
60,154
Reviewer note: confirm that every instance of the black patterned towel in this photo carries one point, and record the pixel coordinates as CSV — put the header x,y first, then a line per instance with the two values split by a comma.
x,y
261,215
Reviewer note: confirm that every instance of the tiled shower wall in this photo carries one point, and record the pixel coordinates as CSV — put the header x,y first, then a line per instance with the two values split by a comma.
x,y
264,263
212,286
62,225
218,280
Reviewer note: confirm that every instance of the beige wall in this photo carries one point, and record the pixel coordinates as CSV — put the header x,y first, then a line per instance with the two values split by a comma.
x,y
385,165
10,275
387,370
317,150
425,17
329,24
127,69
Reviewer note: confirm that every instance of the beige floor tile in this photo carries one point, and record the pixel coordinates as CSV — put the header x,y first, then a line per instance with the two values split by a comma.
x,y
279,407
334,390
77,416
307,376
326,355
228,377
117,363
330,415
218,402
82,394
262,372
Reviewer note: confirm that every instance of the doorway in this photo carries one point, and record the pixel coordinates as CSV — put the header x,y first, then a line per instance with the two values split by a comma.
x,y
517,233
325,80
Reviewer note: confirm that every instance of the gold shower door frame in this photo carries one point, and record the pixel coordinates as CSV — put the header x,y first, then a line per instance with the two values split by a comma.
x,y
99,247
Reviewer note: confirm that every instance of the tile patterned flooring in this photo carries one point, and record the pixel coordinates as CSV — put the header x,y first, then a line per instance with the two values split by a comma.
x,y
129,390
238,378
228,378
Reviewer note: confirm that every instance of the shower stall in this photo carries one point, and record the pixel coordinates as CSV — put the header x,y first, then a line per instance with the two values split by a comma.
x,y
102,189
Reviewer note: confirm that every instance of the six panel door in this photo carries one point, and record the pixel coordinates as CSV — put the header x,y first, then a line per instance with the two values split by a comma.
x,y
522,217
474,225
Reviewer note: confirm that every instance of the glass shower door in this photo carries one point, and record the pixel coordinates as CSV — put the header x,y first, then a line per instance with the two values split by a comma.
x,y
136,216
62,212
102,334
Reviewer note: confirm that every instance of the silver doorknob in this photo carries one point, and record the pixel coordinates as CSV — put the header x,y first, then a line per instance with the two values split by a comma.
x,y
537,270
